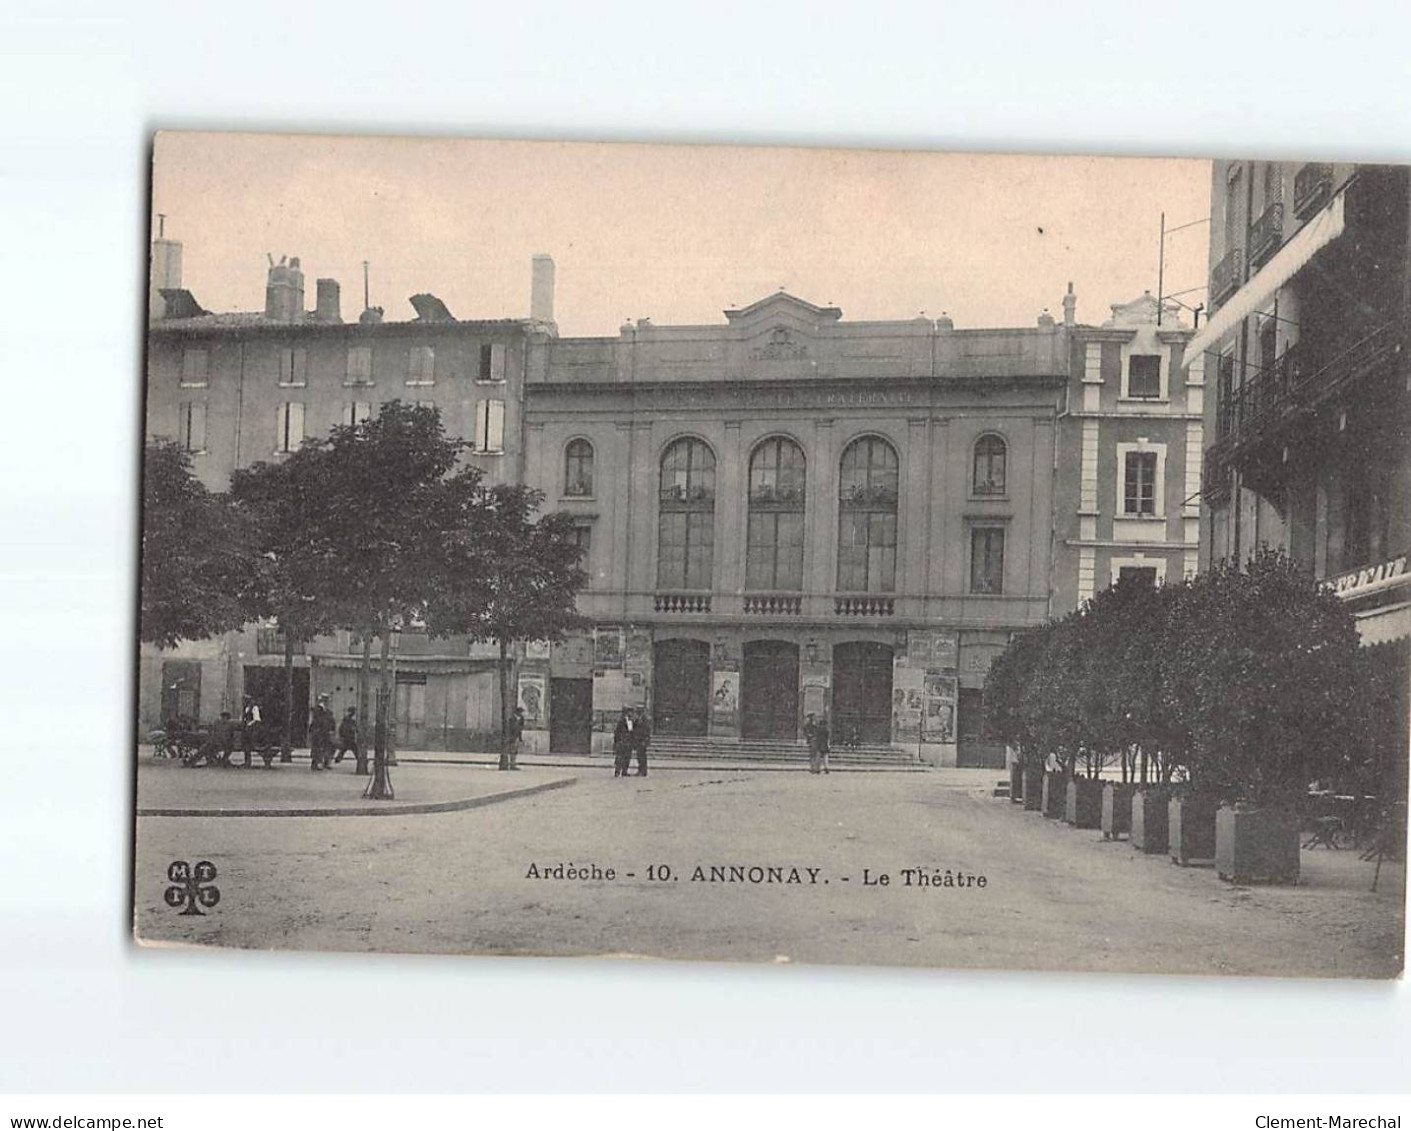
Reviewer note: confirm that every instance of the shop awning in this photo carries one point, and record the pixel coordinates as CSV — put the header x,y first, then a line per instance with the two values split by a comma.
x,y
1320,231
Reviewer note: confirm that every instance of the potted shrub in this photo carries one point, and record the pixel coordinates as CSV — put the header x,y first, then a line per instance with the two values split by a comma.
x,y
1033,788
1055,794
1190,827
1083,808
1149,813
1255,843
1016,782
1271,667
1117,809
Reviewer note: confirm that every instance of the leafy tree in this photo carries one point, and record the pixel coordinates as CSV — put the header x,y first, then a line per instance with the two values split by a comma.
x,y
1005,684
387,517
196,563
510,578
1050,700
1262,678
281,504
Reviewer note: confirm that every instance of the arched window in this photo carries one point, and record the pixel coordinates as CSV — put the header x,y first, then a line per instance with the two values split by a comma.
x,y
989,466
774,542
686,514
867,517
578,468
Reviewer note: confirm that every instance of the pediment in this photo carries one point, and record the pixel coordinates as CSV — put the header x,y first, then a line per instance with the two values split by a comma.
x,y
782,308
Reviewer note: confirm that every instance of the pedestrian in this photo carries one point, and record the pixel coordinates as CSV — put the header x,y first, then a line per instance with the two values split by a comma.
x,y
820,740
641,736
810,733
321,735
516,736
250,722
348,736
622,744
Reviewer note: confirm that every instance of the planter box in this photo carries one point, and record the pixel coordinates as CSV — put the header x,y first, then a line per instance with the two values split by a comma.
x,y
1055,796
1033,792
1256,845
1116,810
1084,803
1190,825
1016,783
1149,814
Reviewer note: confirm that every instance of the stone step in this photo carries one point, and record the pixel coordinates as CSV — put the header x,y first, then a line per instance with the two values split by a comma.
x,y
783,753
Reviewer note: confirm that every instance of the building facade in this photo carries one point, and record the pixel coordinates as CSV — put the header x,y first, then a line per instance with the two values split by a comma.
x,y
1309,424
242,388
1128,492
790,514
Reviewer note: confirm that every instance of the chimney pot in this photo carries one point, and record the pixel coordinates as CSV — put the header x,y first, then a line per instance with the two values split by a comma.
x,y
328,305
284,292
541,292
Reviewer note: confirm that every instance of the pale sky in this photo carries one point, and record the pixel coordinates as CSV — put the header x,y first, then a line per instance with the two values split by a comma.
x,y
677,233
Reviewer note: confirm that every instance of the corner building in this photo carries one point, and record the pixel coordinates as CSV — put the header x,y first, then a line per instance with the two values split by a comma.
x,y
789,513
236,389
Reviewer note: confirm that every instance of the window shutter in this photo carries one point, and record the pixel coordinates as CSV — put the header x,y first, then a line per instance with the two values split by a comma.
x,y
196,427
281,427
481,413
497,362
299,365
495,427
296,424
486,355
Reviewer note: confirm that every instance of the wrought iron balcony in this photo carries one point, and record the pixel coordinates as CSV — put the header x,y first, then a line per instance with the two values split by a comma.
x,y
682,603
1225,278
773,604
864,606
1266,235
1312,185
1293,384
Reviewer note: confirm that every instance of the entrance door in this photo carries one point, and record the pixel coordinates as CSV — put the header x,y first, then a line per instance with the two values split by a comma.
x,y
570,716
409,711
769,691
266,684
181,691
862,693
680,687
975,746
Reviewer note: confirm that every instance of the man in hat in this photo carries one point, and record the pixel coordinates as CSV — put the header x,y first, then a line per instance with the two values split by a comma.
x,y
250,720
321,727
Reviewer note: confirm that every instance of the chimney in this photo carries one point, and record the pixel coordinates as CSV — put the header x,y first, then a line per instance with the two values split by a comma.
x,y
284,292
165,273
541,293
328,306
1070,305
1045,320
371,316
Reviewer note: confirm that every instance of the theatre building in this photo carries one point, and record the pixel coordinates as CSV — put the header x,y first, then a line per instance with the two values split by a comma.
x,y
787,513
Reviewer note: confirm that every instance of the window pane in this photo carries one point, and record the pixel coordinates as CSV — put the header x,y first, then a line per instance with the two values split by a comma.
x,y
578,469
421,366
1144,375
360,364
989,466
671,549
700,534
193,367
481,416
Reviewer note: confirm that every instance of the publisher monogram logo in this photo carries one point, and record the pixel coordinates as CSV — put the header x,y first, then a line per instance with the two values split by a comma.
x,y
191,888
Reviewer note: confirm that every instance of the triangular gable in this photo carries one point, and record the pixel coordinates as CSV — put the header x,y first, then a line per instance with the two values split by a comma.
x,y
783,305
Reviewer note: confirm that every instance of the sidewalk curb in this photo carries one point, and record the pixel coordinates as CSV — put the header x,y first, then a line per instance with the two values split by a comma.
x,y
393,810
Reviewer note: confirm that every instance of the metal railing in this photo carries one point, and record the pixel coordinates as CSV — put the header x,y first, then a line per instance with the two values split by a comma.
x,y
1312,185
1266,235
1225,276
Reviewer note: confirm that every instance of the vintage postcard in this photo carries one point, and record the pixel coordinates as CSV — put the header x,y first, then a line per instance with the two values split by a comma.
x,y
775,555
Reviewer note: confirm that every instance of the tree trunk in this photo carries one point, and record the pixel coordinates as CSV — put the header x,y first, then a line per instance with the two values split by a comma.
x,y
381,786
363,734
504,706
286,745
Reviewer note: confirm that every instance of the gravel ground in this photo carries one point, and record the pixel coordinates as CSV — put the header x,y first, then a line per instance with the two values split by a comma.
x,y
1053,898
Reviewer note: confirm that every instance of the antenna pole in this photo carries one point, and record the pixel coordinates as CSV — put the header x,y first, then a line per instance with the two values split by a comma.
x,y
366,302
161,224
1161,269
